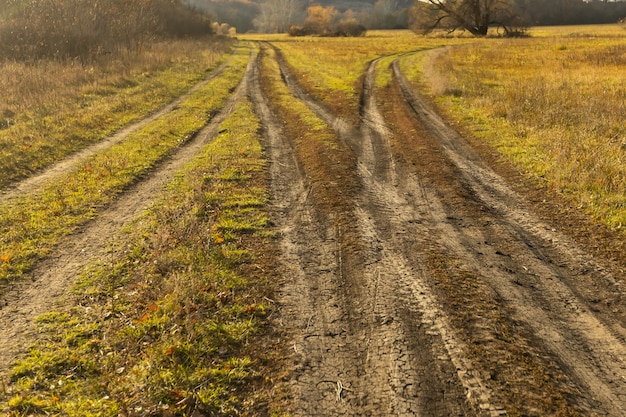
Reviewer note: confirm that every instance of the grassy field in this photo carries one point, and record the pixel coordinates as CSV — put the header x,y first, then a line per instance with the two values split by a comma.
x,y
553,104
52,108
331,68
33,224
171,327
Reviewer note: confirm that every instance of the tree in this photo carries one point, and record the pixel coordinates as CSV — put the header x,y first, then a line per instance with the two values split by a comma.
x,y
327,21
275,16
475,16
386,14
320,19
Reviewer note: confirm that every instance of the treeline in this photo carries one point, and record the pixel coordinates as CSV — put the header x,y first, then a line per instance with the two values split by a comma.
x,y
328,21
571,12
280,15
85,29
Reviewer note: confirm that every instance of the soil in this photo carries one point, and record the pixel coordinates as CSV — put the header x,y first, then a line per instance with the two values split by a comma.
x,y
443,284
451,290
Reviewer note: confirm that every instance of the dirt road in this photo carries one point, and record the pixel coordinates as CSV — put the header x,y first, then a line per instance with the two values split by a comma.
x,y
50,280
445,294
436,288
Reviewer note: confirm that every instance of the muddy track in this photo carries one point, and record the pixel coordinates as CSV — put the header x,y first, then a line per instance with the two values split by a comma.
x,y
377,332
48,283
370,338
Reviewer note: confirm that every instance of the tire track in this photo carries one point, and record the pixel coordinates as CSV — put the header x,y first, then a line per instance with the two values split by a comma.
x,y
531,266
528,265
387,205
313,299
407,369
51,278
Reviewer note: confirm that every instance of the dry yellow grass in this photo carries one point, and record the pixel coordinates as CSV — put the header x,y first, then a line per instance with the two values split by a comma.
x,y
26,85
554,104
52,108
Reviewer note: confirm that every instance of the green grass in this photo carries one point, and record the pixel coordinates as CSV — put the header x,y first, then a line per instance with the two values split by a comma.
x,y
31,225
171,326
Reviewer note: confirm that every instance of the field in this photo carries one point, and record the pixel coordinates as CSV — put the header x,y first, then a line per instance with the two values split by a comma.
x,y
387,225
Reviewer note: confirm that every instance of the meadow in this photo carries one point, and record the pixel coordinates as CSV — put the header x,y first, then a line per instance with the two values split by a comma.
x,y
171,325
52,108
554,105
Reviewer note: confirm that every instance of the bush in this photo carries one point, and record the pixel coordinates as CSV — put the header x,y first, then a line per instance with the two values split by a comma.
x,y
350,28
326,21
84,29
297,31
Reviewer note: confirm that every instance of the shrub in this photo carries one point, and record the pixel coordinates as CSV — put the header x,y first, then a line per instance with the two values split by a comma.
x,y
350,28
326,21
83,29
296,31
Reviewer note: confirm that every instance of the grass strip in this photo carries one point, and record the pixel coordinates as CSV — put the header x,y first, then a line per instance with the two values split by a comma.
x,y
79,115
173,326
328,162
30,226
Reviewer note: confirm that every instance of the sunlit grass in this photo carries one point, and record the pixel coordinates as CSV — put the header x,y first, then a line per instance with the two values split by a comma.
x,y
31,225
169,326
577,31
554,105
50,109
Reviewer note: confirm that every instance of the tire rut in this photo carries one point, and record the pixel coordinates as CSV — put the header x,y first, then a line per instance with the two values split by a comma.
x,y
313,298
52,277
532,268
528,267
412,358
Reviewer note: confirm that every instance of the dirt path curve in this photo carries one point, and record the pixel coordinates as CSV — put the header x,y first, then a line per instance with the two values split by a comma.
x,y
377,332
51,279
34,182
546,281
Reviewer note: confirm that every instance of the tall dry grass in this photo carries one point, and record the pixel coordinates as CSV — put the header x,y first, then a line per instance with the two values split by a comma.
x,y
83,29
556,106
28,85
50,108
73,71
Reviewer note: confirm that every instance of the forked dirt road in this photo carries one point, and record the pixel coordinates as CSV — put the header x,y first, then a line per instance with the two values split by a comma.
x,y
438,290
445,294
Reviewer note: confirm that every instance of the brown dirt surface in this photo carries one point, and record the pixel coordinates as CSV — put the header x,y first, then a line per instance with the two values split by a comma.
x,y
441,285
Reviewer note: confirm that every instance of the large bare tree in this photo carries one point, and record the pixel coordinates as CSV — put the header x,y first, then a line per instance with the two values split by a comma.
x,y
475,16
